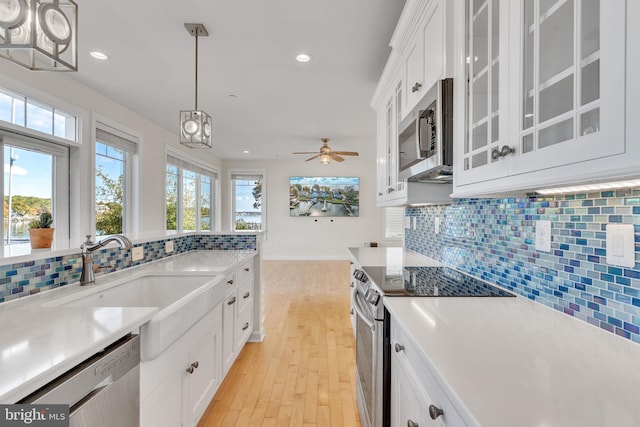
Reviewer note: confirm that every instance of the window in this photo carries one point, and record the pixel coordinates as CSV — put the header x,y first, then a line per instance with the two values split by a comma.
x,y
26,112
247,200
115,154
190,197
36,180
393,223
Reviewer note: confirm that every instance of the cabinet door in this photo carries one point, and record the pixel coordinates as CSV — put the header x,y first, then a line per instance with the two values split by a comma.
x,y
433,44
229,332
381,165
414,71
409,402
162,407
203,371
484,82
569,86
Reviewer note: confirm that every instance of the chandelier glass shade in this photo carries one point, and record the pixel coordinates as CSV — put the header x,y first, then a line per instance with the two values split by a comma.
x,y
195,125
40,34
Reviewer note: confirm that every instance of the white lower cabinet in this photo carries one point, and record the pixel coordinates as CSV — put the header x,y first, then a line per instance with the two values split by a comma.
x,y
237,320
417,399
176,387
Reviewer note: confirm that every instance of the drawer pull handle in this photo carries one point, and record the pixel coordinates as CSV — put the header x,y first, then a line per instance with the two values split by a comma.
x,y
246,326
247,269
245,296
399,348
195,364
232,301
230,282
190,369
411,423
435,412
193,367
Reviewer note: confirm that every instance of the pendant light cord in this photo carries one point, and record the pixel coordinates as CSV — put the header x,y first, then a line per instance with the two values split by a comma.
x,y
197,31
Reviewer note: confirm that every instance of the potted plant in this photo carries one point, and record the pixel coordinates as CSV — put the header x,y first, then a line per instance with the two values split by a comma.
x,y
40,231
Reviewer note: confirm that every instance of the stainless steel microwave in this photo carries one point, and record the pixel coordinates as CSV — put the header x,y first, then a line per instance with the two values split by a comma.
x,y
425,137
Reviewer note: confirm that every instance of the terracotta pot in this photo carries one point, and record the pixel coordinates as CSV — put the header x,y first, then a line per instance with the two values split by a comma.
x,y
41,237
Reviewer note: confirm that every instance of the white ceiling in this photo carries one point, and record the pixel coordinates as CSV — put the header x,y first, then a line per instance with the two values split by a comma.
x,y
282,105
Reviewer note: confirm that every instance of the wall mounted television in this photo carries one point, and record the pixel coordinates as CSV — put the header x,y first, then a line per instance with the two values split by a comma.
x,y
324,196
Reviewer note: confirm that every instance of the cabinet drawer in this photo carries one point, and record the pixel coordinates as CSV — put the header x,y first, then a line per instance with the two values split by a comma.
x,y
244,326
245,271
245,294
230,283
409,356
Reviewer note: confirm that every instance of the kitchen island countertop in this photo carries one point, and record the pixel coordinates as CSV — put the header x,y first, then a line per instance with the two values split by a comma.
x,y
39,343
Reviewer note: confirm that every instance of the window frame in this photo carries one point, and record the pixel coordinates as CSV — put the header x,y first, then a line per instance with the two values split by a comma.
x,y
385,224
60,193
198,168
232,198
130,216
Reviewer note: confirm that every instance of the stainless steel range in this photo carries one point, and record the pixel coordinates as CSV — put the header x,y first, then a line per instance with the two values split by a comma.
x,y
373,343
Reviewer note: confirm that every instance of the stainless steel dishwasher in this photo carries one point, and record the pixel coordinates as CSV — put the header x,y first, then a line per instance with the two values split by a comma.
x,y
103,391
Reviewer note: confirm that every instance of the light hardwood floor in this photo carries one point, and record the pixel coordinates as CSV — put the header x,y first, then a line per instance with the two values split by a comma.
x,y
303,374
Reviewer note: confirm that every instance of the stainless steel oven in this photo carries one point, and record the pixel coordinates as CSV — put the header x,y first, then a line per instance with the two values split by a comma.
x,y
369,310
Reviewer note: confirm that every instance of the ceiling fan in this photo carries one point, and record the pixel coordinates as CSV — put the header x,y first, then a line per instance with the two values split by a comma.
x,y
326,153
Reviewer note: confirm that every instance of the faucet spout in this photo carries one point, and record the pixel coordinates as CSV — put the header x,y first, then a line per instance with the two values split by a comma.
x,y
87,277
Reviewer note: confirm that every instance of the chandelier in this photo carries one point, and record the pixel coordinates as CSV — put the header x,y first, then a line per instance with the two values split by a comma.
x,y
40,34
195,125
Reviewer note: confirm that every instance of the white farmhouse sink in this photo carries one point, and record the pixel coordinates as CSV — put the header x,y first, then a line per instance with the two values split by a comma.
x,y
182,298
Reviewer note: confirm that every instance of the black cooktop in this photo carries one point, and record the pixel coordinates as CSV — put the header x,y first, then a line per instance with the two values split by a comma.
x,y
430,282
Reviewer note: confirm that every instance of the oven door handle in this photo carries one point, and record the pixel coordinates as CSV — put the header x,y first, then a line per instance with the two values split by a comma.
x,y
360,311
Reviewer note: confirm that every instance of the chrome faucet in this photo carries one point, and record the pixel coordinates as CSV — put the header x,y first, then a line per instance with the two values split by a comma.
x,y
88,246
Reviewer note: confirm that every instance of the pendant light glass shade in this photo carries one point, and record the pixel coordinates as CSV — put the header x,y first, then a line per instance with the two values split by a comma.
x,y
195,129
40,34
195,125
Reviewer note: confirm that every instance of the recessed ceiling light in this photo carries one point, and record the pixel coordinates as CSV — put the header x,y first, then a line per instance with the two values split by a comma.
x,y
303,57
232,96
99,55
245,151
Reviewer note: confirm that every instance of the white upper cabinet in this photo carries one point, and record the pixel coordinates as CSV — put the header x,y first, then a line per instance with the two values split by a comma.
x,y
542,87
421,51
424,55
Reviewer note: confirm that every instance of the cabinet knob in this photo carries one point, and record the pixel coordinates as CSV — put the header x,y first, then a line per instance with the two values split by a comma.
x,y
411,423
230,282
390,190
245,296
416,87
435,412
232,301
190,369
246,325
351,312
379,194
504,151
399,348
195,364
247,269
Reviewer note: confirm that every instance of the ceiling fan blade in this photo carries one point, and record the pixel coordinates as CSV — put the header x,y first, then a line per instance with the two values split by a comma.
x,y
305,152
335,157
347,153
314,157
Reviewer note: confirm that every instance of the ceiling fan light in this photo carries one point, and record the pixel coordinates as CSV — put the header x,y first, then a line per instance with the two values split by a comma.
x,y
325,159
40,34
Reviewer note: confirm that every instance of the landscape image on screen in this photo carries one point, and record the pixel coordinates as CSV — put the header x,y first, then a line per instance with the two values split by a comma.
x,y
324,196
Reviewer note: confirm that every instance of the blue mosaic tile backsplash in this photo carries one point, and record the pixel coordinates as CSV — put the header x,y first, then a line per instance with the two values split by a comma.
x,y
494,239
27,278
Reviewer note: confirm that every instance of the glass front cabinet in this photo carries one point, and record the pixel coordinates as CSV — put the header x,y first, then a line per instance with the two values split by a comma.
x,y
541,86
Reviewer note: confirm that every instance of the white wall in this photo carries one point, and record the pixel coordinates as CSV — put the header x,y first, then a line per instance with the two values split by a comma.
x,y
59,89
302,237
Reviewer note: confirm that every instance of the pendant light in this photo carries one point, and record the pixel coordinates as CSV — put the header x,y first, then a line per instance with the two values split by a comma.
x,y
195,125
40,34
